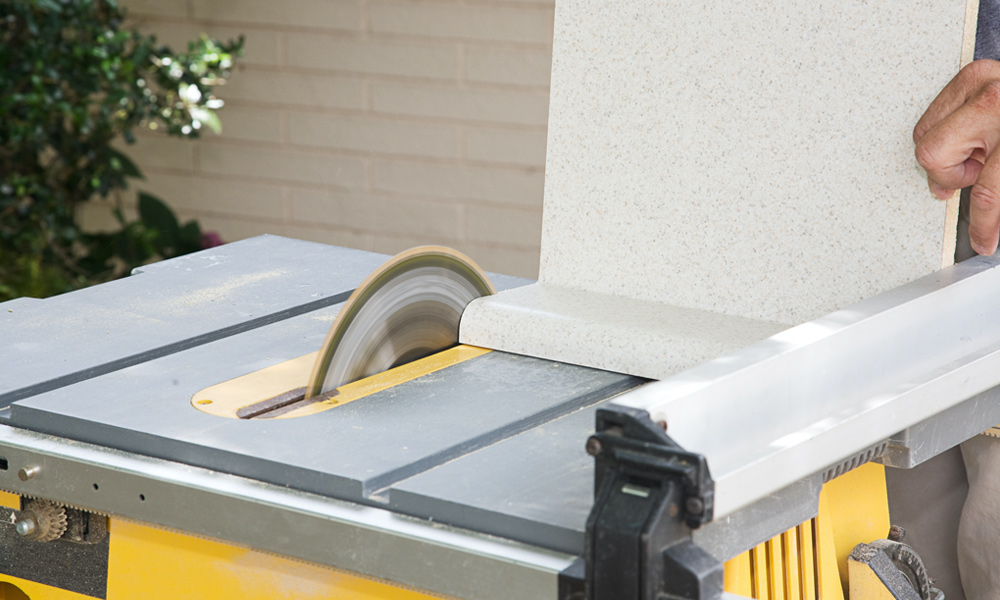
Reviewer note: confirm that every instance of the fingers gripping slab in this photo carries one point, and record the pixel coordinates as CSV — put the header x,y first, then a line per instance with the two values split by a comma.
x,y
957,141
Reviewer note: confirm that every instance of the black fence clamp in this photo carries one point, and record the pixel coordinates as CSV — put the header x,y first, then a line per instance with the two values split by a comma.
x,y
649,495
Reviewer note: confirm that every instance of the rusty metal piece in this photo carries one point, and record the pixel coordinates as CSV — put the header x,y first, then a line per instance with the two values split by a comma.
x,y
83,527
896,533
277,412
284,399
282,403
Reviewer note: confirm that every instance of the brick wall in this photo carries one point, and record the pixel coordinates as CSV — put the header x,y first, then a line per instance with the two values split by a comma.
x,y
374,124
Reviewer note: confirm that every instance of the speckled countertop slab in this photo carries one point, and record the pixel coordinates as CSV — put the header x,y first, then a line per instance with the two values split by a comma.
x,y
752,159
639,337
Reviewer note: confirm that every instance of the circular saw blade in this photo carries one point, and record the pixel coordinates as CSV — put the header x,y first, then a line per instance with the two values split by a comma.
x,y
408,308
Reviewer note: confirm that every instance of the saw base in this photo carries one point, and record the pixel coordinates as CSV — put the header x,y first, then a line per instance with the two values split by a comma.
x,y
199,567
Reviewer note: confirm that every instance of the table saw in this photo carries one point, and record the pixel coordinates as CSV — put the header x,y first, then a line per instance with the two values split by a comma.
x,y
468,478
746,309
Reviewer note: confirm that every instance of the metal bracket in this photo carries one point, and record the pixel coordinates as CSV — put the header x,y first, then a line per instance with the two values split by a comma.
x,y
649,495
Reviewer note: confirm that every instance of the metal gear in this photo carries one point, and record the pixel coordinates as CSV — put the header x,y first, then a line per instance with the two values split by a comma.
x,y
909,564
41,521
993,432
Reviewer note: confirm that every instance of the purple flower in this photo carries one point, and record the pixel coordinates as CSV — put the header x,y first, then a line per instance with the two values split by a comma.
x,y
210,239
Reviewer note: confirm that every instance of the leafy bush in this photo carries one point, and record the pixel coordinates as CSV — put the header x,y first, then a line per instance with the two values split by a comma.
x,y
73,80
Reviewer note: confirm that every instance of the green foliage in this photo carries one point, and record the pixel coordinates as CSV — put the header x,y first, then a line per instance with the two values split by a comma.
x,y
73,80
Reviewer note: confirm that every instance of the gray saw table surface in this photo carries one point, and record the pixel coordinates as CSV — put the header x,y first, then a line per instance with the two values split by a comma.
x,y
492,444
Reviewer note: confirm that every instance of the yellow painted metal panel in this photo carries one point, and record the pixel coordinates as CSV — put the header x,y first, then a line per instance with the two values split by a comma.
x,y
738,578
10,501
830,587
34,591
392,377
761,572
865,584
807,561
858,508
776,569
11,592
157,564
790,558
226,398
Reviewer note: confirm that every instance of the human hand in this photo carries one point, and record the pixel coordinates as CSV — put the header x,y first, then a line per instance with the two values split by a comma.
x,y
957,141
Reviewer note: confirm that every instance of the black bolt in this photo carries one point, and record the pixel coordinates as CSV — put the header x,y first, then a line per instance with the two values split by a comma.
x,y
594,446
694,505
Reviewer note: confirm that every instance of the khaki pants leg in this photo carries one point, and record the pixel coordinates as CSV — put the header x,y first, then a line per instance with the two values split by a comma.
x,y
927,501
979,531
